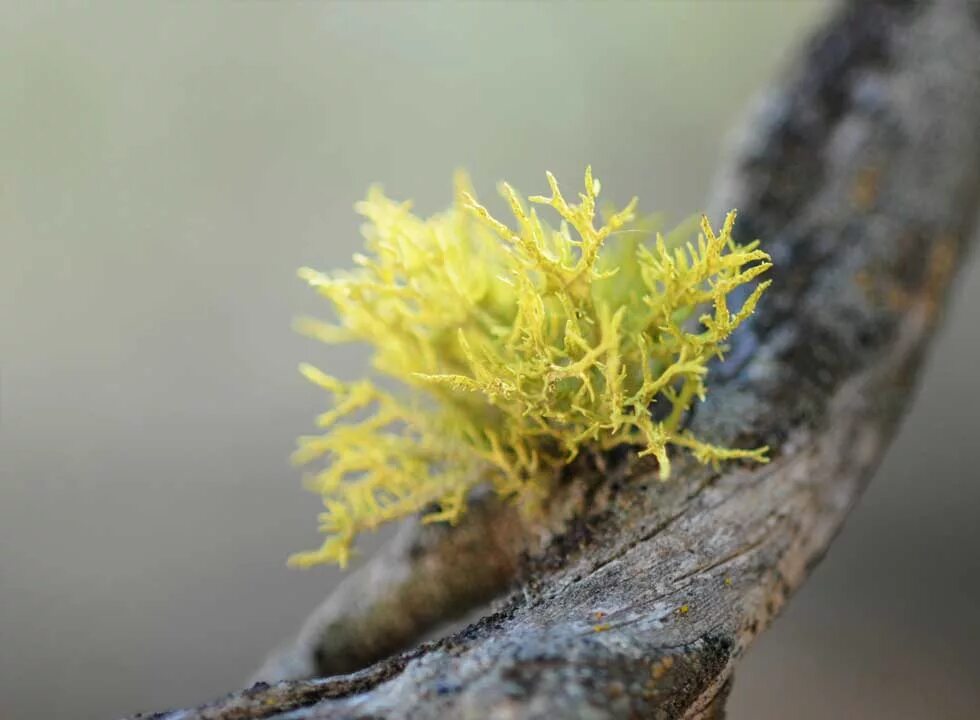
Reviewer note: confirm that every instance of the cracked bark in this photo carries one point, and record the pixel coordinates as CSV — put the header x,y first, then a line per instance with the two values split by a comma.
x,y
861,172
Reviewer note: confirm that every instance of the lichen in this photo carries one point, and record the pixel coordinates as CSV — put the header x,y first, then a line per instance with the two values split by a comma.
x,y
514,349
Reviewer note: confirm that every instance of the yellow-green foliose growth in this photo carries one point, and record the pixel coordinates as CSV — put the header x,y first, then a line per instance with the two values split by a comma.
x,y
518,345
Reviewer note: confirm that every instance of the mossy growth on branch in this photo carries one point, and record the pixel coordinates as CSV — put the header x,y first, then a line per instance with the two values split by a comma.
x,y
516,346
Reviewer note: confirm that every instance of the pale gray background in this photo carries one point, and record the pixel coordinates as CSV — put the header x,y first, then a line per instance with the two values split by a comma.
x,y
165,167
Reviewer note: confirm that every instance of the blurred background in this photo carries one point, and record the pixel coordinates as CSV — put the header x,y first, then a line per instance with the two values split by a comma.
x,y
165,168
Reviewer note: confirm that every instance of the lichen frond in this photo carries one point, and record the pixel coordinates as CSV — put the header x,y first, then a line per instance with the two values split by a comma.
x,y
518,347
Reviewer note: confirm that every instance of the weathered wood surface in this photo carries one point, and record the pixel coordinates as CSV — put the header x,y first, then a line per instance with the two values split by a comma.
x,y
861,172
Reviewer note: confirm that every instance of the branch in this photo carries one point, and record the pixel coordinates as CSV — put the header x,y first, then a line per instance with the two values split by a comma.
x,y
861,173
427,575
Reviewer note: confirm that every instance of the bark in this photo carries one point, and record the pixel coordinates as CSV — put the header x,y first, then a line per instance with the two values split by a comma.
x,y
861,173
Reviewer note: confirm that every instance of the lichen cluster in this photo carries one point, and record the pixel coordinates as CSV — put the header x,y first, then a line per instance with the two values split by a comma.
x,y
516,347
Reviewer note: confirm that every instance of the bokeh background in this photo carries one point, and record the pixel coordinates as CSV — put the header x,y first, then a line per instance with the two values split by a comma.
x,y
165,168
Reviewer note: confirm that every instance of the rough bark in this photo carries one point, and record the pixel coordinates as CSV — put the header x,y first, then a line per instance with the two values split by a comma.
x,y
861,172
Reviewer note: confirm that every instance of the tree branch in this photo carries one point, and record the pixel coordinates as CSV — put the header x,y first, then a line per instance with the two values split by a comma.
x,y
861,173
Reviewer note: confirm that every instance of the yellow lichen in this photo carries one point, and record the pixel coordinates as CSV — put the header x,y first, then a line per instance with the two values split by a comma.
x,y
517,348
661,666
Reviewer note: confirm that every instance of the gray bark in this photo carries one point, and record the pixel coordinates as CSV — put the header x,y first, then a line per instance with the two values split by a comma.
x,y
861,173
